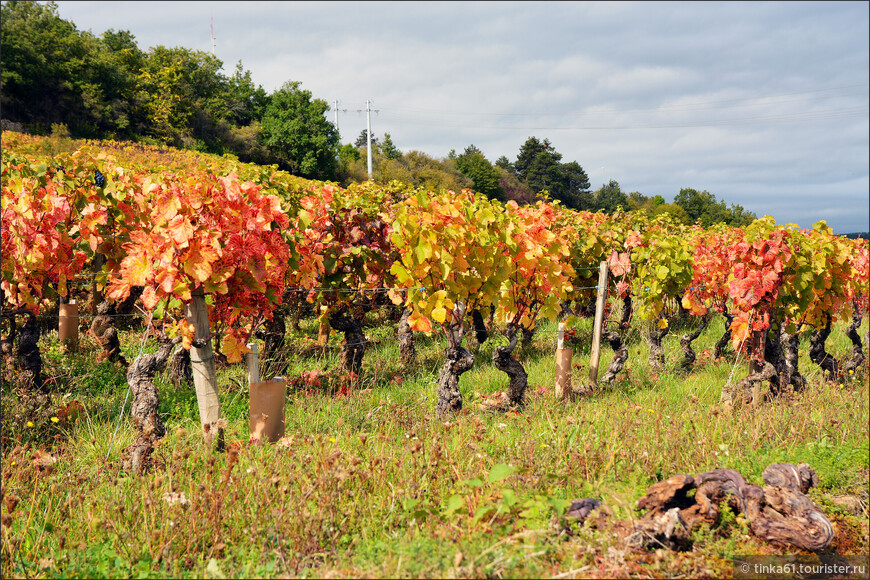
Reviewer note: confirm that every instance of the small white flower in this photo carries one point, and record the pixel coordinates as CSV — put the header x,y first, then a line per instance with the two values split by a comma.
x,y
173,498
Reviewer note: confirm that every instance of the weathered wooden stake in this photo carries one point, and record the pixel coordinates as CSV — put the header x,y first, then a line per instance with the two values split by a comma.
x,y
599,324
68,326
253,364
323,333
202,362
563,365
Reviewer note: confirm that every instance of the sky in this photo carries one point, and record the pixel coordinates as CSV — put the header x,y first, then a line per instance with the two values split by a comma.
x,y
764,105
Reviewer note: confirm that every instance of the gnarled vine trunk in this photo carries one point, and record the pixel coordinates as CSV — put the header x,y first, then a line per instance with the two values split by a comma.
x,y
719,350
407,350
790,375
354,347
686,341
273,331
29,357
180,368
818,354
857,349
620,355
458,360
146,401
502,358
106,335
480,331
750,391
656,352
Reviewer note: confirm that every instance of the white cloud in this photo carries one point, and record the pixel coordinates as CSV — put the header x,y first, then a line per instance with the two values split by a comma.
x,y
661,95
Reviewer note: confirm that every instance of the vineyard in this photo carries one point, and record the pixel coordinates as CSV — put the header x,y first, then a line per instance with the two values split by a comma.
x,y
148,293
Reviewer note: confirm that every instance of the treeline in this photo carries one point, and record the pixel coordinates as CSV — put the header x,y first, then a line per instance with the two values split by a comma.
x,y
57,79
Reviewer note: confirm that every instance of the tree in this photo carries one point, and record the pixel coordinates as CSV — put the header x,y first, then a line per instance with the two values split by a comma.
x,y
541,167
576,192
296,131
388,149
610,197
505,164
703,206
45,75
362,140
474,165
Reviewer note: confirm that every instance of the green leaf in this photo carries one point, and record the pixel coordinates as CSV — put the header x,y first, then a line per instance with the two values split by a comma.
x,y
509,497
455,502
500,471
481,512
476,482
399,271
662,272
560,505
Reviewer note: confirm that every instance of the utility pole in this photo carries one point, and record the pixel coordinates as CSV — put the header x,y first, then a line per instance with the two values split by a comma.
x,y
369,136
335,103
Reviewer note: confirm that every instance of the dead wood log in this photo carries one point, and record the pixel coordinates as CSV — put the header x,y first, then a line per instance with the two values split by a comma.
x,y
779,513
750,391
798,477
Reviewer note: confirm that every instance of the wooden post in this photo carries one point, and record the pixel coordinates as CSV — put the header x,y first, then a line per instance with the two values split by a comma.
x,y
253,364
563,365
323,334
202,362
68,326
599,324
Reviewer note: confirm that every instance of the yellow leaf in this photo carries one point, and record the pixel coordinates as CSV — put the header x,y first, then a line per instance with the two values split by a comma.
x,y
663,323
439,314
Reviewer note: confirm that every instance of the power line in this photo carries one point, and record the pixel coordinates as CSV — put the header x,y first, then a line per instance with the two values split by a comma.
x,y
821,115
664,108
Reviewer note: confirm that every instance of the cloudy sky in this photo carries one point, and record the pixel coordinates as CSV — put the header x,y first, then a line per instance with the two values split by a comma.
x,y
762,104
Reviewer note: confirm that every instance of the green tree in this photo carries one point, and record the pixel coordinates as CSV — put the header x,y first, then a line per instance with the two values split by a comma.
x,y
296,131
541,167
362,140
485,177
610,197
46,75
505,164
704,207
388,149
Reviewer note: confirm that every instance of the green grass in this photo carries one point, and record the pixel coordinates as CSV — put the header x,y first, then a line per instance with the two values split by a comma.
x,y
374,485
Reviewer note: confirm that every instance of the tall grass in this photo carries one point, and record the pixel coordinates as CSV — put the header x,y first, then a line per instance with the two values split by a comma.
x,y
372,484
